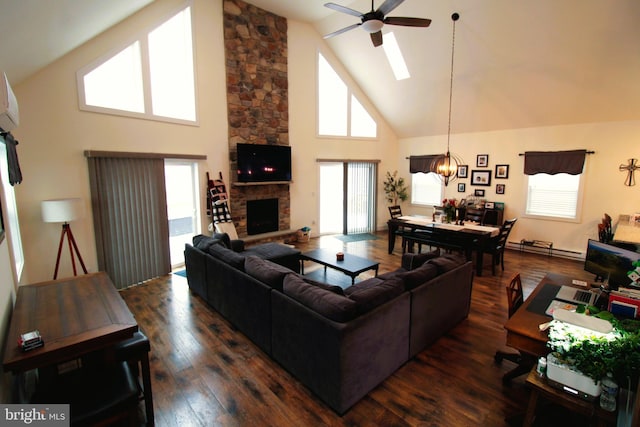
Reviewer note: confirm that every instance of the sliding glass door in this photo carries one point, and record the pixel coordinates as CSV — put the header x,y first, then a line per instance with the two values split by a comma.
x,y
347,197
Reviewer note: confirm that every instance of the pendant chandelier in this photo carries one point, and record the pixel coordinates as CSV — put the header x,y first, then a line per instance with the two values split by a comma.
x,y
447,165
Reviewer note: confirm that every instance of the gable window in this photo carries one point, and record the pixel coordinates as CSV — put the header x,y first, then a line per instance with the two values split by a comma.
x,y
152,78
554,183
339,111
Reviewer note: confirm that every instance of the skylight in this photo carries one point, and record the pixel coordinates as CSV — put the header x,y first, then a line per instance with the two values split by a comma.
x,y
394,56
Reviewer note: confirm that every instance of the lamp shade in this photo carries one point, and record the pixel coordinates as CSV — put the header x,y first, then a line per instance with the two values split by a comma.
x,y
62,210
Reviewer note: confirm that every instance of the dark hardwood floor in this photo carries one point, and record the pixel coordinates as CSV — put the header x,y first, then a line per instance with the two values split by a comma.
x,y
207,373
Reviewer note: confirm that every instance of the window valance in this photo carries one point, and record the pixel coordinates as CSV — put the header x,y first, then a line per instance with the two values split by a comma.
x,y
554,162
424,164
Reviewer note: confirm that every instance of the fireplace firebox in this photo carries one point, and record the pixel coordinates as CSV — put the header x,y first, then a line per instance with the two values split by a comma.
x,y
262,216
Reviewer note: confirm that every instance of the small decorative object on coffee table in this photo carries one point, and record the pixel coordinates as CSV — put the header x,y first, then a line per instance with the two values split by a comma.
x,y
351,265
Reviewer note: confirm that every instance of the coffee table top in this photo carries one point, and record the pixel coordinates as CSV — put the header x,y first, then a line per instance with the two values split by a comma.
x,y
352,264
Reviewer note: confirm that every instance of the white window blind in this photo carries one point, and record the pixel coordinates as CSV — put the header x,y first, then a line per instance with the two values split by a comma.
x,y
553,195
426,189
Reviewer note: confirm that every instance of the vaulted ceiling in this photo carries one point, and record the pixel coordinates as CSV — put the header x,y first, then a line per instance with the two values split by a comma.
x,y
517,64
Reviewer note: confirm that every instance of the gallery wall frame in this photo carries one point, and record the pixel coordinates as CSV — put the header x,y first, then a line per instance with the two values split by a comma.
x,y
463,171
478,193
500,188
461,187
502,171
481,177
482,160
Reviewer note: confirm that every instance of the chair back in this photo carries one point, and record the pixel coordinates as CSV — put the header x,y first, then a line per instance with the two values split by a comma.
x,y
605,231
474,214
515,296
505,230
395,212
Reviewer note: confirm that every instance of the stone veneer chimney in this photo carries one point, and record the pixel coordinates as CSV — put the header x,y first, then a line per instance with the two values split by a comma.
x,y
257,98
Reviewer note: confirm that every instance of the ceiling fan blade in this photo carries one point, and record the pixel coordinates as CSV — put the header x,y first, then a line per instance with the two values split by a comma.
x,y
389,5
344,30
376,38
343,9
408,22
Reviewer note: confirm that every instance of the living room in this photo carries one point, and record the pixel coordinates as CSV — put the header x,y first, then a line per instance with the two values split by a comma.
x,y
54,133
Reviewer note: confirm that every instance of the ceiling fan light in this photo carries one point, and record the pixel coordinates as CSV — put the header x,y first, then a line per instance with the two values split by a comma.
x,y
372,25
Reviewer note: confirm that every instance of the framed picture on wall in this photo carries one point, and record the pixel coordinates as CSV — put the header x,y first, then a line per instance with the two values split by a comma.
x,y
463,171
499,188
479,193
481,177
482,160
502,171
461,187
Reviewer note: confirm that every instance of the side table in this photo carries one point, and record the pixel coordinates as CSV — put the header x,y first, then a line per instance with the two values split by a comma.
x,y
539,387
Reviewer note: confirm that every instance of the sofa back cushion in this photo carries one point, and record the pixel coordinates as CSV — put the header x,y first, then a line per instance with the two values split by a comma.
x,y
324,302
447,262
227,255
374,292
203,242
266,271
411,261
417,276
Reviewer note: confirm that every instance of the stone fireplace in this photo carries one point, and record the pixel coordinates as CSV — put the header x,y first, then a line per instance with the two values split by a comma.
x,y
257,101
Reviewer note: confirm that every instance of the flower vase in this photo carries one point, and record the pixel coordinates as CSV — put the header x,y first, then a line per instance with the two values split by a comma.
x,y
451,215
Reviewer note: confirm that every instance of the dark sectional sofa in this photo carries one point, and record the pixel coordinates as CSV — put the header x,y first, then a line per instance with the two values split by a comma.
x,y
339,343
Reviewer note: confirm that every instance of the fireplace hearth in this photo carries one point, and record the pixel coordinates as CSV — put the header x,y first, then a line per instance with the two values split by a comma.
x,y
262,216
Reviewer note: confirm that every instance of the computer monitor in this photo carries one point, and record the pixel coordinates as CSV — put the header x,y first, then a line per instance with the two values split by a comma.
x,y
610,262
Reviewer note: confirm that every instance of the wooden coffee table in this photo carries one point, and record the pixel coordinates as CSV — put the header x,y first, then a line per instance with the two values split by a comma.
x,y
352,265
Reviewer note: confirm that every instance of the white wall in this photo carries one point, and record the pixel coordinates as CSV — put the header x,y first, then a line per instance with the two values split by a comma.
x,y
604,190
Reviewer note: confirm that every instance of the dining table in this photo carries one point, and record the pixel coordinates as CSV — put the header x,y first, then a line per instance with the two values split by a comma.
x,y
469,236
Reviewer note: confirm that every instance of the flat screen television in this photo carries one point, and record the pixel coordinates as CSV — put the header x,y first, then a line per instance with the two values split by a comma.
x,y
264,163
609,261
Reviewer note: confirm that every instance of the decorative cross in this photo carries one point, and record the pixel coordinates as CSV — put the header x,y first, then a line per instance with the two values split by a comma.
x,y
630,168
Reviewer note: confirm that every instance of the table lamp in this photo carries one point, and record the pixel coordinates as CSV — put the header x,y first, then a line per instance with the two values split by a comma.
x,y
64,211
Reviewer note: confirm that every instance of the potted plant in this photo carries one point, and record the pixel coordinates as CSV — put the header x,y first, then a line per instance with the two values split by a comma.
x,y
395,188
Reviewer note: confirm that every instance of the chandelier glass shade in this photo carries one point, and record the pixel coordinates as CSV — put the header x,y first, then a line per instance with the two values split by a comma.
x,y
446,166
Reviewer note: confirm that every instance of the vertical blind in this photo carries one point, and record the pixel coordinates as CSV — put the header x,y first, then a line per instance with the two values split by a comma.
x,y
361,202
128,198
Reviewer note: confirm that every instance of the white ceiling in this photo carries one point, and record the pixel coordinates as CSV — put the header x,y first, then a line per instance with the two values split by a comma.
x,y
517,64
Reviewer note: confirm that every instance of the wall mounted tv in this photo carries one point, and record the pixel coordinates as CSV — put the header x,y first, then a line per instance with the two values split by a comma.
x,y
264,163
610,261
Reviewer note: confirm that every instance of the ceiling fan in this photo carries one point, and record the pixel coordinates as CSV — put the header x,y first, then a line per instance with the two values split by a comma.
x,y
373,21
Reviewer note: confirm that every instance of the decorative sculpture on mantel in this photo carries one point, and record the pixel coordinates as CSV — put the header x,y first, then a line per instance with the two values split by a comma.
x,y
630,168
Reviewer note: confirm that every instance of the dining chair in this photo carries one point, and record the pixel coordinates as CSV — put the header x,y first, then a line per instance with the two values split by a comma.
x,y
524,362
395,211
497,245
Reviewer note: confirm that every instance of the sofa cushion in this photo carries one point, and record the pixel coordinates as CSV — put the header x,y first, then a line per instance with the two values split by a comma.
x,y
411,261
418,276
331,288
373,292
447,262
224,238
266,271
234,259
326,303
203,242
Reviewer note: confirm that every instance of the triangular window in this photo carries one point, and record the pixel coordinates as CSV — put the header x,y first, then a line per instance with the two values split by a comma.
x,y
151,78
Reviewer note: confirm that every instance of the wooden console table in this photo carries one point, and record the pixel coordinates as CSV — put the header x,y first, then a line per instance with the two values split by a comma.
x,y
75,316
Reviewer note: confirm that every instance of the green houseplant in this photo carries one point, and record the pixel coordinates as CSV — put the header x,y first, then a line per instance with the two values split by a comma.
x,y
395,188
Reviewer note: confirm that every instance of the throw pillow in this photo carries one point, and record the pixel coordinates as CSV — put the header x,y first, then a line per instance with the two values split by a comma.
x,y
326,303
411,261
224,238
266,271
331,288
227,255
374,292
416,277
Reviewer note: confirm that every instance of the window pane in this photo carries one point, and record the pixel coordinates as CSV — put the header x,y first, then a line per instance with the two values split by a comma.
x,y
553,195
426,189
117,83
171,64
361,122
332,101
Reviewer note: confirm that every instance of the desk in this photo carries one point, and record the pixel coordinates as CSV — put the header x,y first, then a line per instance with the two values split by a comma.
x,y
468,236
75,316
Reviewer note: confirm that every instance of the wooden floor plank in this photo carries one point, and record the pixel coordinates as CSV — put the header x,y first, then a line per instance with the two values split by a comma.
x,y
207,373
